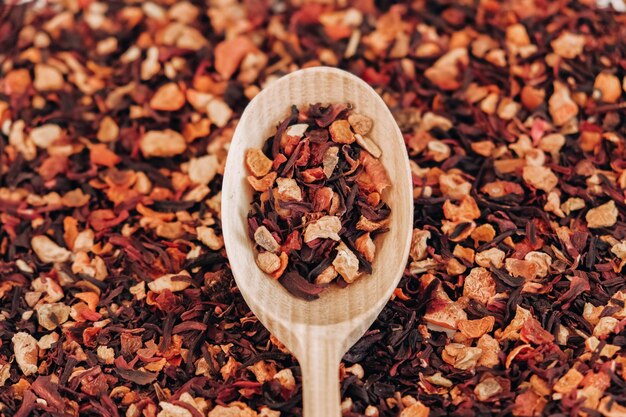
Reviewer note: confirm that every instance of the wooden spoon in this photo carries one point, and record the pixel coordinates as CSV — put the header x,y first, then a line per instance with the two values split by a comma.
x,y
317,332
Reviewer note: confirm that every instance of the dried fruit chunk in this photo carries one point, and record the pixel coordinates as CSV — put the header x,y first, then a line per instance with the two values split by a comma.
x,y
171,282
445,71
609,87
330,160
202,170
26,351
327,275
487,388
326,227
48,251
541,178
365,245
168,97
44,136
262,184
265,239
568,45
51,315
346,263
47,78
479,285
561,106
360,124
162,143
419,244
602,216
268,262
341,133
461,356
257,163
288,189
369,145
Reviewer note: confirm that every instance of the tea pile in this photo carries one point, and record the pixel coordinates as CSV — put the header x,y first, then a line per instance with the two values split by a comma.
x,y
116,298
317,206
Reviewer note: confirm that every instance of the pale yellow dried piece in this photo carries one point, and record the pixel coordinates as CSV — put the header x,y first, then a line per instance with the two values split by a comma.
x,y
167,282
522,268
479,285
326,276
172,410
330,160
568,45
454,185
360,124
52,315
286,379
268,262
46,341
168,97
461,356
467,210
541,178
365,245
208,236
162,143
297,130
511,332
340,132
419,244
47,78
487,388
263,371
602,216
108,131
44,136
234,409
265,239
288,189
219,112
552,143
346,263
605,326
445,70
326,227
572,204
568,382
48,251
491,351
517,35
542,261
202,170
368,225
561,106
257,163
369,145
553,204
26,351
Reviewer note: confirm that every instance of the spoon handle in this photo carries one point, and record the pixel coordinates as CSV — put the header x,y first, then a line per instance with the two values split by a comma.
x,y
320,379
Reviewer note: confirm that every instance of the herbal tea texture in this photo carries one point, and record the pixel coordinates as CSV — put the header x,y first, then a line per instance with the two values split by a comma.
x,y
317,206
116,298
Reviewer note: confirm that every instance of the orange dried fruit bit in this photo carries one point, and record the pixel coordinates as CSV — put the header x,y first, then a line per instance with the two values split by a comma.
x,y
341,133
257,163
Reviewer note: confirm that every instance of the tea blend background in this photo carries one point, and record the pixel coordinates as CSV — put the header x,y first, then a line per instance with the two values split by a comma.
x,y
116,297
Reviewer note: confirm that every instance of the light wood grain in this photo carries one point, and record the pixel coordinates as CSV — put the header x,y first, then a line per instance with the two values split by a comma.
x,y
317,332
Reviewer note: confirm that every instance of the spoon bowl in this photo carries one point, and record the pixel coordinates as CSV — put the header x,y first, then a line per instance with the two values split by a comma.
x,y
317,332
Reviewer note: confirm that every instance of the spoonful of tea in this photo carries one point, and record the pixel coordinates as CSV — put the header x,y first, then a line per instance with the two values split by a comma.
x,y
317,214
